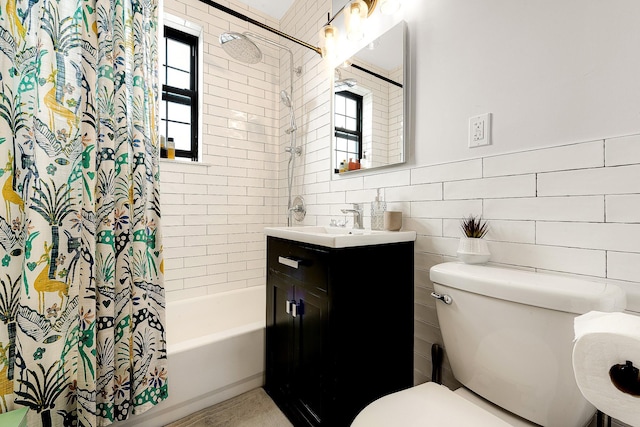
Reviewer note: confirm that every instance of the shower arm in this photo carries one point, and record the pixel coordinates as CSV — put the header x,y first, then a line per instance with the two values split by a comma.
x,y
261,25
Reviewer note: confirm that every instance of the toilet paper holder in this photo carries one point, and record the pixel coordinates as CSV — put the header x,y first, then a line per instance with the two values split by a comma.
x,y
626,378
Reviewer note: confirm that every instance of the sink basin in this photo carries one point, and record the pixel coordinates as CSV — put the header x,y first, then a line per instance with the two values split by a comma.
x,y
337,237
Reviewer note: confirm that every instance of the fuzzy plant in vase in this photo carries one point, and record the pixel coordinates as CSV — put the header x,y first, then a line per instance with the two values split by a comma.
x,y
472,249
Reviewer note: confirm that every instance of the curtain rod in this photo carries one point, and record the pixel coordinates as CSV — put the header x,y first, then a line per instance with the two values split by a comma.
x,y
386,79
261,25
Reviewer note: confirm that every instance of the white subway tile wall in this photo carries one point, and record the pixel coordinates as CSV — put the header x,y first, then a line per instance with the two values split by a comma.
x,y
576,156
605,180
623,208
571,209
214,212
571,216
622,151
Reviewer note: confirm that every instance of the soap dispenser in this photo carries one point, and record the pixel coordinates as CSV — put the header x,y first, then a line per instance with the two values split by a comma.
x,y
378,206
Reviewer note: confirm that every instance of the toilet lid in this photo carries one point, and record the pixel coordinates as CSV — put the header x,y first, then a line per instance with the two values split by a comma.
x,y
427,404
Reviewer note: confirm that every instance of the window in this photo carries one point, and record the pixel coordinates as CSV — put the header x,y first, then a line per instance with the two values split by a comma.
x,y
179,104
348,126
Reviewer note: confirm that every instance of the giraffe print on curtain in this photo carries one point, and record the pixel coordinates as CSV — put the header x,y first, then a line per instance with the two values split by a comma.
x,y
82,336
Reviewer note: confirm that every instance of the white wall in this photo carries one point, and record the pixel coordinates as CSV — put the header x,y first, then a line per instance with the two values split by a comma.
x,y
551,72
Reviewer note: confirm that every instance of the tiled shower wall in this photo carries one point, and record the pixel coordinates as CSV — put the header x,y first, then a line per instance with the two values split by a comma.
x,y
214,213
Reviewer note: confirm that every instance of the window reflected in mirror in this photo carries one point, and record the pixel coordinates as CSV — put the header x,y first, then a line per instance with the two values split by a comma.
x,y
369,105
348,129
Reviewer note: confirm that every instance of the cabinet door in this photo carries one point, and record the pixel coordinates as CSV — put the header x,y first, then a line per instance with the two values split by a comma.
x,y
279,334
310,375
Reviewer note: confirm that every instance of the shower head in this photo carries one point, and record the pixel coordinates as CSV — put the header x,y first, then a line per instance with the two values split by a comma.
x,y
238,46
342,84
285,98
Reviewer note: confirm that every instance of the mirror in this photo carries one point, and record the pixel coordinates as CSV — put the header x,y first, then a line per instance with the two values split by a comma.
x,y
369,105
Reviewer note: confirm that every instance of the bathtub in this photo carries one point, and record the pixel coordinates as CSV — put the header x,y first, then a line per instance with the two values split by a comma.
x,y
215,346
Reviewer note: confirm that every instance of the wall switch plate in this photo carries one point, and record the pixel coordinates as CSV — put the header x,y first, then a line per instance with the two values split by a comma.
x,y
480,130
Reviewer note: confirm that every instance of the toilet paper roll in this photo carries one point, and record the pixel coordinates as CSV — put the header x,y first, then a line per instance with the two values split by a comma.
x,y
603,341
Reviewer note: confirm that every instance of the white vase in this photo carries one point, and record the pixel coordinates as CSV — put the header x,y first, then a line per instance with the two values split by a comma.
x,y
473,251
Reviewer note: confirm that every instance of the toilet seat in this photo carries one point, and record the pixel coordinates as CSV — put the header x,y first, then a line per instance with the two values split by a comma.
x,y
427,404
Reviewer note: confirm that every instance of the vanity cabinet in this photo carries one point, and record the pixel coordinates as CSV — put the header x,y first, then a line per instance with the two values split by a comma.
x,y
339,328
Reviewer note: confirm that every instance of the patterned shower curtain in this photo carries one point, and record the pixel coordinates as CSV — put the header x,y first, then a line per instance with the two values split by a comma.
x,y
82,337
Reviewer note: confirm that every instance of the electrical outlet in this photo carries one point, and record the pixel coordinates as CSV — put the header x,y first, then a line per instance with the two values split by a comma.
x,y
480,130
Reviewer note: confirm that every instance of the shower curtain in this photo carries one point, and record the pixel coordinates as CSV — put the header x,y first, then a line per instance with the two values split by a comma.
x,y
82,337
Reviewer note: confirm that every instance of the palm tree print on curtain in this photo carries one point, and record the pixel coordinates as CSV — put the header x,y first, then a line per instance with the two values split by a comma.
x,y
82,337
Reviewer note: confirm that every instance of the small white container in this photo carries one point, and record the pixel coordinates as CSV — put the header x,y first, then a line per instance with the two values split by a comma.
x,y
473,250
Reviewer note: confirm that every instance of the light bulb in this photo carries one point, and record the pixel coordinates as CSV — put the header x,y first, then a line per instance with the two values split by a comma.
x,y
355,15
328,40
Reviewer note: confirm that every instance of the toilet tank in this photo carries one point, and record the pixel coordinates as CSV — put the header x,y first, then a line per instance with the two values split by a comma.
x,y
508,335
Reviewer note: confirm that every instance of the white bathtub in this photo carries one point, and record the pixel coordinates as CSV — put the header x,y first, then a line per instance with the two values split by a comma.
x,y
215,346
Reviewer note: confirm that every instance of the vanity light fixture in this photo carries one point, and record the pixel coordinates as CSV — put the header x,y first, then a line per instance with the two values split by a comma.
x,y
356,13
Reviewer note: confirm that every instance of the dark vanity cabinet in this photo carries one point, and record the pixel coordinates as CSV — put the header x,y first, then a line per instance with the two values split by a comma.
x,y
339,328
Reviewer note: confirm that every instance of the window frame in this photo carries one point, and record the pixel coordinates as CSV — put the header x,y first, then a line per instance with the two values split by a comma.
x,y
349,134
189,97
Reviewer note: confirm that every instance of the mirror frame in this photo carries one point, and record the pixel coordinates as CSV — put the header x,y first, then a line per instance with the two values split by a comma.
x,y
405,107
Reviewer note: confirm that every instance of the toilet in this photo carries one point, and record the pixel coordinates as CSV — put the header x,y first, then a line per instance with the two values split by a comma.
x,y
508,335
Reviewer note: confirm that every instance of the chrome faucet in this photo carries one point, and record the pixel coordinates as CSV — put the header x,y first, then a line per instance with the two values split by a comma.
x,y
357,215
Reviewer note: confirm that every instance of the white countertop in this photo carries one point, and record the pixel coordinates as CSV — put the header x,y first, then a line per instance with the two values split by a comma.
x,y
338,237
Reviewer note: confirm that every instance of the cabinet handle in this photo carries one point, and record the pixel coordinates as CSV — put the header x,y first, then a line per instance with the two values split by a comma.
x,y
291,307
288,262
